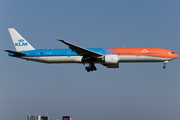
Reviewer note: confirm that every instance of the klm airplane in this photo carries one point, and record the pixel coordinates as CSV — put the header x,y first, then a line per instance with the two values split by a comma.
x,y
109,57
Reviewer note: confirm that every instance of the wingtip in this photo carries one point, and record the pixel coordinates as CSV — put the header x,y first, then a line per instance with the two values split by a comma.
x,y
5,50
60,40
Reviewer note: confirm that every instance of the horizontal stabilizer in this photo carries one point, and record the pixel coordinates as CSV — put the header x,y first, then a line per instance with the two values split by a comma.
x,y
14,52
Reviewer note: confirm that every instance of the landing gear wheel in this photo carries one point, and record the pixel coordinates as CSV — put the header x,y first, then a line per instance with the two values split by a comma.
x,y
164,67
87,68
165,62
91,67
94,68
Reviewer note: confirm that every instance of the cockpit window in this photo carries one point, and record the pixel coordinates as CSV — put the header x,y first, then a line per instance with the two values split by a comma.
x,y
172,52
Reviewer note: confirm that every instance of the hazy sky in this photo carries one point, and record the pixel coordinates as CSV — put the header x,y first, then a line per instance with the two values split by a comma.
x,y
135,91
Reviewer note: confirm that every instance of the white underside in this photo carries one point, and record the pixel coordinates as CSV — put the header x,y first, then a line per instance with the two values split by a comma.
x,y
138,58
77,59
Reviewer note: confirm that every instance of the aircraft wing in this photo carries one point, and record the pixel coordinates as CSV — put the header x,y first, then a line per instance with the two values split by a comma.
x,y
82,51
14,52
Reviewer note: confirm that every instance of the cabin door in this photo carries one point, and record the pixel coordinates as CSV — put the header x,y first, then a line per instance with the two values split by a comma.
x,y
37,54
137,53
162,53
68,54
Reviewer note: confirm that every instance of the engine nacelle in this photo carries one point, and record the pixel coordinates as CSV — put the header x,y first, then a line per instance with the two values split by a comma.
x,y
112,65
111,61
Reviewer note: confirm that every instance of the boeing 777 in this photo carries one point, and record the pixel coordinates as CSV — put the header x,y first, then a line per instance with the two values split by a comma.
x,y
109,57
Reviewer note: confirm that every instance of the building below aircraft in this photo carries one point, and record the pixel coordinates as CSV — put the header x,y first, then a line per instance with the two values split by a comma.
x,y
31,117
37,117
66,118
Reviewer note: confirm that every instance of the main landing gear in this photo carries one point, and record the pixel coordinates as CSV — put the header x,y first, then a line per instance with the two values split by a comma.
x,y
164,66
91,67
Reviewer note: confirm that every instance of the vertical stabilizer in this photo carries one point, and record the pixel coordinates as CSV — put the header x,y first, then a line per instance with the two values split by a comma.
x,y
19,42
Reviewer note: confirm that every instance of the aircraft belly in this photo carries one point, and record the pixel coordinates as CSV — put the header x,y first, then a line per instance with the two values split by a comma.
x,y
56,59
77,59
140,58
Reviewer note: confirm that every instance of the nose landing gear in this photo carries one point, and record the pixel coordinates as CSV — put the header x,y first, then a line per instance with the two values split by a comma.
x,y
164,66
91,67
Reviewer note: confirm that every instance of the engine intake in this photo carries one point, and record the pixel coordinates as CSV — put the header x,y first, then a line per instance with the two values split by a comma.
x,y
111,61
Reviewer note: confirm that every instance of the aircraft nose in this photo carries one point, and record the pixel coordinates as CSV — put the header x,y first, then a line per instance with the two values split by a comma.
x,y
176,56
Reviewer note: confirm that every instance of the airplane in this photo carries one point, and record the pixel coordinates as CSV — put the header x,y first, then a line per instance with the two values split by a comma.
x,y
109,57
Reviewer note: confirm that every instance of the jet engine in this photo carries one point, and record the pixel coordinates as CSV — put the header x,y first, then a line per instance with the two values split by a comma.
x,y
111,61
